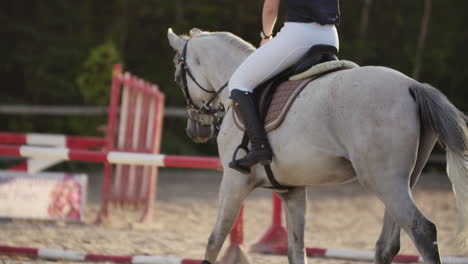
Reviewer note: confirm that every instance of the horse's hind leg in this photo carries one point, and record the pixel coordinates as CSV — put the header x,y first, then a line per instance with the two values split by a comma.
x,y
387,170
401,207
234,188
295,207
388,245
392,188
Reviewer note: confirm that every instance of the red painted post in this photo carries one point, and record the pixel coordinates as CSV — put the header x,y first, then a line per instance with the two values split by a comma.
x,y
234,253
135,171
124,196
237,232
276,236
110,137
153,177
148,146
121,136
277,211
141,170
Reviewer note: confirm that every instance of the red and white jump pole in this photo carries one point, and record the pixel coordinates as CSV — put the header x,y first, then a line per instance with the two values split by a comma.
x,y
112,157
51,140
40,164
364,255
58,254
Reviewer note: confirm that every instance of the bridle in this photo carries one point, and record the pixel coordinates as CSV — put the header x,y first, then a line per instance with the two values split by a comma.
x,y
207,108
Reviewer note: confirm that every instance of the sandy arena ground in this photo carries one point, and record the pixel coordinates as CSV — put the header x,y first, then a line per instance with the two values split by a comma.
x,y
344,216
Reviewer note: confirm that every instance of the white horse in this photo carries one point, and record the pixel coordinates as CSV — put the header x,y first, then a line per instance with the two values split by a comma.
x,y
372,124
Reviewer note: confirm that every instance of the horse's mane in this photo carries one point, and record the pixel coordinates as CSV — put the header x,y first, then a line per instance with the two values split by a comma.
x,y
235,41
229,38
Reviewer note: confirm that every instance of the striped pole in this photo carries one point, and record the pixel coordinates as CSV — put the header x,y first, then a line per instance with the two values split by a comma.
x,y
363,255
347,254
51,140
55,140
34,165
113,157
58,254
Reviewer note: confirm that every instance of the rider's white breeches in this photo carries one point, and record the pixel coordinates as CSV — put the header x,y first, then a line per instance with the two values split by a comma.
x,y
285,49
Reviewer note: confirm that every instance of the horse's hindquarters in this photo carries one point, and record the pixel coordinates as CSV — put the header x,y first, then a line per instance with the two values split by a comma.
x,y
361,115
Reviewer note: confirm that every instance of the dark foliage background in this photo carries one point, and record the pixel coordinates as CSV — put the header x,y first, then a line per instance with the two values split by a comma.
x,y
60,52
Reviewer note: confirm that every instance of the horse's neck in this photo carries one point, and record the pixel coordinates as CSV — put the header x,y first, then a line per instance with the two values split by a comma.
x,y
223,61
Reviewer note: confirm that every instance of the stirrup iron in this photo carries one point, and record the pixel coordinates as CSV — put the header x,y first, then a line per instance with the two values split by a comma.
x,y
234,164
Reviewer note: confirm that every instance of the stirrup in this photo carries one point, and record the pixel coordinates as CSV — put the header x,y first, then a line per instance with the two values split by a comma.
x,y
234,164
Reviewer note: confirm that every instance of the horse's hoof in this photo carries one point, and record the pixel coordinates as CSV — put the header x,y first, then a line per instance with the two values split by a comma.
x,y
242,169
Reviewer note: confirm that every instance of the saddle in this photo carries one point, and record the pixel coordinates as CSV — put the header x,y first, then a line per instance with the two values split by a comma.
x,y
276,95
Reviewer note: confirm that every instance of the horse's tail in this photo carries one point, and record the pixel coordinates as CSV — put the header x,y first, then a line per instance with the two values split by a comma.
x,y
438,114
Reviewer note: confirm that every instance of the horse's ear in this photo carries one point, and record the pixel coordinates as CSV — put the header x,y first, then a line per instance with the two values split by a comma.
x,y
176,42
195,31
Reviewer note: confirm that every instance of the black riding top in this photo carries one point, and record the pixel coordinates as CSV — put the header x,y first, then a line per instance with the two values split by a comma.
x,y
324,12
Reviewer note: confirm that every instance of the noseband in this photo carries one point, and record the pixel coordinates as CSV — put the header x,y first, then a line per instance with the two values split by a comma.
x,y
207,107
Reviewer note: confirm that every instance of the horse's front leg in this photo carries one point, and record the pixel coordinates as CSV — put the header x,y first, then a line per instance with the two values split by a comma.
x,y
295,207
234,189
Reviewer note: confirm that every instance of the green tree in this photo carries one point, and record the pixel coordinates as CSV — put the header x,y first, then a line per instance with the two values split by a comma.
x,y
94,78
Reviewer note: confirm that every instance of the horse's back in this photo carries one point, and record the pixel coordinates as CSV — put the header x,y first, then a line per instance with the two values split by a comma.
x,y
342,115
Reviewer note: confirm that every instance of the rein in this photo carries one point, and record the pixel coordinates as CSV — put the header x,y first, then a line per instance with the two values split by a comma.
x,y
207,107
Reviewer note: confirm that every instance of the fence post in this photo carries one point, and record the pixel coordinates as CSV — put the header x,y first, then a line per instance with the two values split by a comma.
x,y
157,136
276,235
234,253
110,138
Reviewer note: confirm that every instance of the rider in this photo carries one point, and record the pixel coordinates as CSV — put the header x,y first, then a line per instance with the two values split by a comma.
x,y
308,23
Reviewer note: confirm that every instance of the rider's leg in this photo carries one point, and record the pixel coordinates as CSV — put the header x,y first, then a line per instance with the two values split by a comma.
x,y
260,151
270,59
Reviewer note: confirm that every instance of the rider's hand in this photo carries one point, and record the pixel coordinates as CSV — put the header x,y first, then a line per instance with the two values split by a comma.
x,y
264,41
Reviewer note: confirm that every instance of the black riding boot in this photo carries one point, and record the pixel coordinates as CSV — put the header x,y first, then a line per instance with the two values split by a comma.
x,y
260,151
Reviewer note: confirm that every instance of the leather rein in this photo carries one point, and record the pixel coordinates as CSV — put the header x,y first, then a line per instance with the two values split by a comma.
x,y
207,107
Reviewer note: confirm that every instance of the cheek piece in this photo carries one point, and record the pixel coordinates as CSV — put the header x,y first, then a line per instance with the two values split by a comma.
x,y
207,108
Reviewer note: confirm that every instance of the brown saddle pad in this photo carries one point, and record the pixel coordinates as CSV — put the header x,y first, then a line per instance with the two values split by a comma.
x,y
282,99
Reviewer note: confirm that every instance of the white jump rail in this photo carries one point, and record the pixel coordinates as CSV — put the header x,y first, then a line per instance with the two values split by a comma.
x,y
113,157
50,140
364,255
58,254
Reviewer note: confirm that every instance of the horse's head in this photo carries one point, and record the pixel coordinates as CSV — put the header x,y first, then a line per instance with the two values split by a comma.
x,y
204,109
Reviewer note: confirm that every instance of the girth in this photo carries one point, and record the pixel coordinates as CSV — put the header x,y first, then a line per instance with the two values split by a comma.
x,y
275,184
